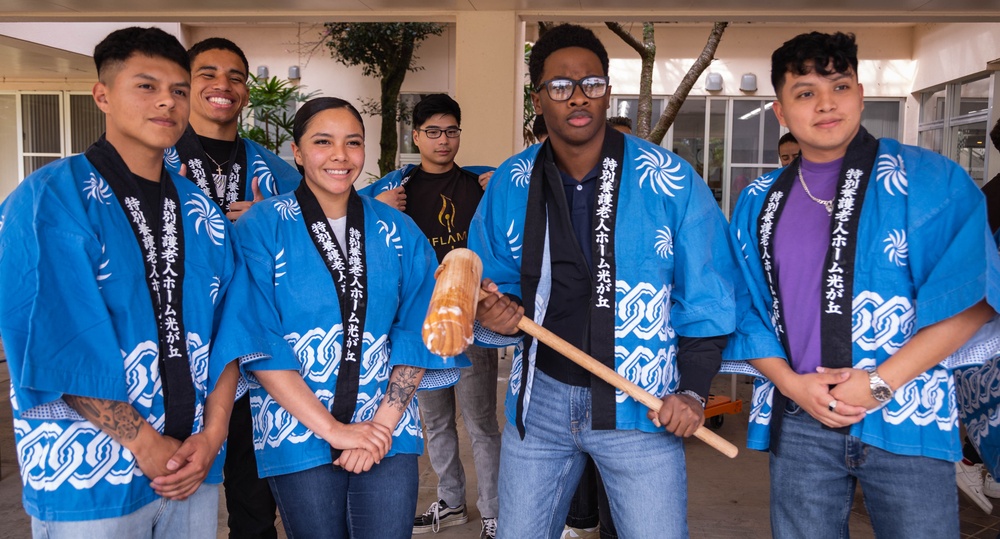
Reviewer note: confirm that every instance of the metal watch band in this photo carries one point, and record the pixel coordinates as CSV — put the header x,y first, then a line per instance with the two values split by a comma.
x,y
696,396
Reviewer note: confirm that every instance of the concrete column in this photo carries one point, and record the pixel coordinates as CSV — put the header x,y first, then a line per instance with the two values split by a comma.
x,y
489,48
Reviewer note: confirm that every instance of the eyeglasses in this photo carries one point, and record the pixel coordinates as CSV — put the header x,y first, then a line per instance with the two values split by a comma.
x,y
562,88
434,132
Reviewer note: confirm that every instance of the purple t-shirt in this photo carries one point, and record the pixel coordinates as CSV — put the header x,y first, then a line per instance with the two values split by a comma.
x,y
801,241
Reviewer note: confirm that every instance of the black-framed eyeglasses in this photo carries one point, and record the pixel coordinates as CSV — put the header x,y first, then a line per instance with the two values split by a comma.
x,y
434,132
562,88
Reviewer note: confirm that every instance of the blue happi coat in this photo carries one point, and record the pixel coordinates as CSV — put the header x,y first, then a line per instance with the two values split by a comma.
x,y
395,178
76,318
274,175
289,318
924,254
674,269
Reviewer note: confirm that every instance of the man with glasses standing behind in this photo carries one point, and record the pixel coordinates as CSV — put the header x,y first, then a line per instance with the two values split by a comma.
x,y
617,246
441,198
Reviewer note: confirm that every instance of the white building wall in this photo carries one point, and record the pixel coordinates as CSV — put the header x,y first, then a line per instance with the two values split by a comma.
x,y
886,62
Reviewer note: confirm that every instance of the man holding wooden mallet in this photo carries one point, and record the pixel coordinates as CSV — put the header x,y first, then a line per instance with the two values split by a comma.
x,y
619,248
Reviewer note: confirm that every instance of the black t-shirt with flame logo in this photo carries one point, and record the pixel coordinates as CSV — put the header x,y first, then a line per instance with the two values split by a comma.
x,y
443,205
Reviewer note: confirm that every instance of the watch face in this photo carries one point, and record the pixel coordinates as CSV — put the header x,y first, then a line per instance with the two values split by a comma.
x,y
881,393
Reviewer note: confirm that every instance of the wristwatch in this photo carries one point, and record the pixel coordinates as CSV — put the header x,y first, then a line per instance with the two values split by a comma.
x,y
693,395
880,390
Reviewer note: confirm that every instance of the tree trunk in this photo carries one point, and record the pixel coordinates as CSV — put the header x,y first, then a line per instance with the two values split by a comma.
x,y
684,88
392,82
644,112
647,53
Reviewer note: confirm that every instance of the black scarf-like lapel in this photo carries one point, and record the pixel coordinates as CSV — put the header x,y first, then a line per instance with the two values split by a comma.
x,y
837,287
163,259
202,172
602,309
350,279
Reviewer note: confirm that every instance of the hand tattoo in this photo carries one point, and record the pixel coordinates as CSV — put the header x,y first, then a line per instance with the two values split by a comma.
x,y
119,419
402,385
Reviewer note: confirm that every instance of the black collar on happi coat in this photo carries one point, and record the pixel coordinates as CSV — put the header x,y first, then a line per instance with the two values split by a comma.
x,y
837,288
201,170
163,259
601,328
350,279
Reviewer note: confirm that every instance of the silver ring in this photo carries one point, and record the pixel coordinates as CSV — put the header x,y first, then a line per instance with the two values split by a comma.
x,y
832,406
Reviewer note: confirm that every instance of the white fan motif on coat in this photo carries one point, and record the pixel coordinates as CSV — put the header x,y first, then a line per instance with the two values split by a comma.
x,y
265,180
104,264
520,172
664,242
897,247
96,188
661,172
288,209
279,266
890,171
208,216
392,238
172,158
513,241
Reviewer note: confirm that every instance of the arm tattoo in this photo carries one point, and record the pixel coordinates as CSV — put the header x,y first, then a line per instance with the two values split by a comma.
x,y
118,419
402,385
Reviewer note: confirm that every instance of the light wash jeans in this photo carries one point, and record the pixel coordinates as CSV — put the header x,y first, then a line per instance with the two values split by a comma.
x,y
644,473
327,502
814,475
476,391
196,517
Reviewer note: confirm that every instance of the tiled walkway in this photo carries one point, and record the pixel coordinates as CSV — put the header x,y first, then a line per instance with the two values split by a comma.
x,y
728,499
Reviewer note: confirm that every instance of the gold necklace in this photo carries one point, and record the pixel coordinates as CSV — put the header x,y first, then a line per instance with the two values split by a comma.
x,y
218,166
828,204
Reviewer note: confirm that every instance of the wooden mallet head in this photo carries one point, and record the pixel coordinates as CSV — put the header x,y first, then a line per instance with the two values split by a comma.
x,y
452,311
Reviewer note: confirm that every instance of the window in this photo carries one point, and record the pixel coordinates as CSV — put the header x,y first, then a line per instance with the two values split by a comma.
x,y
629,106
409,154
9,166
37,128
954,121
730,141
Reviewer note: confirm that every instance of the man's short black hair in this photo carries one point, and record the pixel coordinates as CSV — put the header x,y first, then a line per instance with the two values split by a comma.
x,y
120,45
786,138
817,52
435,104
995,135
538,129
218,43
621,121
561,37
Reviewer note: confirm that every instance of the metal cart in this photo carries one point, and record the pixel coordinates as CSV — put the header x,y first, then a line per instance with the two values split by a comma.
x,y
719,405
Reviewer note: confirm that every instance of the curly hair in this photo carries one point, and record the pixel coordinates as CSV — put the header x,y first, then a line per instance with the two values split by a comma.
x,y
561,37
814,51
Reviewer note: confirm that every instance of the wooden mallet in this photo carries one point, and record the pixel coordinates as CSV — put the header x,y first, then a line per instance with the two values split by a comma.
x,y
447,332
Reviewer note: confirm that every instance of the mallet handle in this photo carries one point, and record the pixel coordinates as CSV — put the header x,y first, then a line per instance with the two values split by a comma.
x,y
600,370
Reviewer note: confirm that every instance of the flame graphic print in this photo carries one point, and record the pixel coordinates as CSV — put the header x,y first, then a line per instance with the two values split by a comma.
x,y
447,214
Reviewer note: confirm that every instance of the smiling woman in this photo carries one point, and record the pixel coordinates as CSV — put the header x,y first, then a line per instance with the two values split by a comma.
x,y
336,357
329,150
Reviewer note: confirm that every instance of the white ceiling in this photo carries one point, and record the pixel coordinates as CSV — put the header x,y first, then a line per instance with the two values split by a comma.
x,y
25,60
444,10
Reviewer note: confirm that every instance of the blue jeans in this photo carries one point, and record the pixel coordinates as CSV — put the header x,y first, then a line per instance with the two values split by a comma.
x,y
643,472
195,517
328,502
814,475
476,391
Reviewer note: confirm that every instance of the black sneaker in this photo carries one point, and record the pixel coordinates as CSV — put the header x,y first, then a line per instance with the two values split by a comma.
x,y
438,516
489,529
